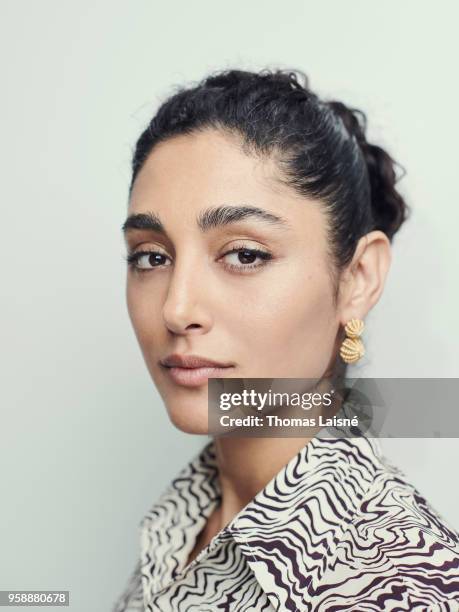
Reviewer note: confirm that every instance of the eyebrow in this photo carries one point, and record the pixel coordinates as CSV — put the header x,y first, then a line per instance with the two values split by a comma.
x,y
207,219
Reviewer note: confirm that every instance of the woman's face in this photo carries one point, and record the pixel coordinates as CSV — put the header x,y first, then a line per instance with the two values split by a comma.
x,y
201,290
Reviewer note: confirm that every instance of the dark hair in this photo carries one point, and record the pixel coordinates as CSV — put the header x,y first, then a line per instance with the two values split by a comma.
x,y
320,146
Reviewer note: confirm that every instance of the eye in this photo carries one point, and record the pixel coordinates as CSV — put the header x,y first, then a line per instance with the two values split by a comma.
x,y
142,261
242,259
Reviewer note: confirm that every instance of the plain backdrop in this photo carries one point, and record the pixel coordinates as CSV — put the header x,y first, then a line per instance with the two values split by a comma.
x,y
86,446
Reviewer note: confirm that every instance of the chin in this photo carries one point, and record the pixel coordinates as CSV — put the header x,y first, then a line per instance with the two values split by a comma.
x,y
192,420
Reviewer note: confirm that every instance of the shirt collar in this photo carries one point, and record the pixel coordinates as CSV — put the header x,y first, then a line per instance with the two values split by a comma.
x,y
169,529
284,532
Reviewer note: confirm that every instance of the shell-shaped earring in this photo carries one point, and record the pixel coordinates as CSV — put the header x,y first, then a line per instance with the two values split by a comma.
x,y
352,348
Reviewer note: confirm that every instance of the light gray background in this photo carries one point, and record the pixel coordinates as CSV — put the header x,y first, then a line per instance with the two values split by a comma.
x,y
86,444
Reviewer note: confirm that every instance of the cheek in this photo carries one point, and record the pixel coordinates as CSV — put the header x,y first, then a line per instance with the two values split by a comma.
x,y
143,311
289,326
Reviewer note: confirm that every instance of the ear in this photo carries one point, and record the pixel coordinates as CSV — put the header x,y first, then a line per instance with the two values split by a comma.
x,y
363,282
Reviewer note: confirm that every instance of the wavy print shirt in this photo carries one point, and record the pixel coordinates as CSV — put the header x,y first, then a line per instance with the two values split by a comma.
x,y
338,528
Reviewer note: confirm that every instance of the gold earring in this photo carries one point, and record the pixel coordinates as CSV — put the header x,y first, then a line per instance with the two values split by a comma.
x,y
352,348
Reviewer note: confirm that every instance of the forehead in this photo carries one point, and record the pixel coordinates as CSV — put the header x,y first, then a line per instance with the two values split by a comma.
x,y
201,165
188,173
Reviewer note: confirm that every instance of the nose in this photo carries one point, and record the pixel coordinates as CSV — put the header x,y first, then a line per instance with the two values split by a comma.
x,y
185,309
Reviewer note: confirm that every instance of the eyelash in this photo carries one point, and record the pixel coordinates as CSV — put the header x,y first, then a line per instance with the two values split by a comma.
x,y
133,258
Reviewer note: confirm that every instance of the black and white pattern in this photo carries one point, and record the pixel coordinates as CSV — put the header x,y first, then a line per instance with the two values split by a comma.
x,y
338,528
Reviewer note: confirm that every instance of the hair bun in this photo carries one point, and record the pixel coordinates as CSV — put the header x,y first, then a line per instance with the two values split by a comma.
x,y
388,206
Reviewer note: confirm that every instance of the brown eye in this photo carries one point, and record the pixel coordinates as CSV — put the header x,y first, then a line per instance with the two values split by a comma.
x,y
146,260
242,259
247,257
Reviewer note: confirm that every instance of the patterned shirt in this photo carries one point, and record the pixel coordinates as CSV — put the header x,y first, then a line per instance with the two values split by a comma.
x,y
338,528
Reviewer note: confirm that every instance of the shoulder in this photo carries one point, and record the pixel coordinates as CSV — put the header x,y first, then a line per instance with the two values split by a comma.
x,y
131,599
392,504
398,536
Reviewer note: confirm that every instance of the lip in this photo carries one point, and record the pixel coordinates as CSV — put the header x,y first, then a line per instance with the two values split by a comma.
x,y
192,361
193,370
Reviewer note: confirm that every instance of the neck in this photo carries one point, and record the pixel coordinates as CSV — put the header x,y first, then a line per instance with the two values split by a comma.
x,y
247,464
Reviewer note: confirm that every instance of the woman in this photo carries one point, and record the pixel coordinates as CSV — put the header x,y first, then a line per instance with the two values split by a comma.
x,y
259,236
